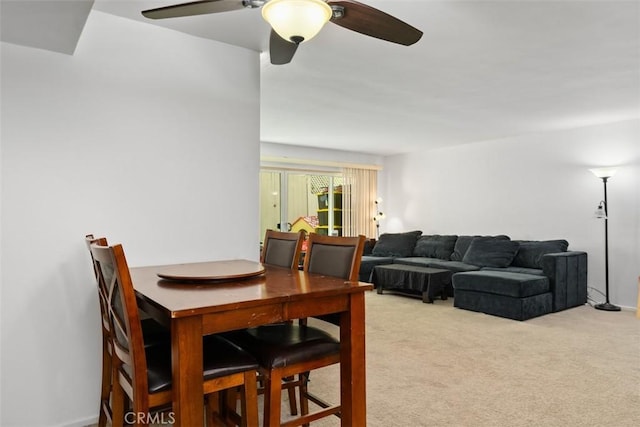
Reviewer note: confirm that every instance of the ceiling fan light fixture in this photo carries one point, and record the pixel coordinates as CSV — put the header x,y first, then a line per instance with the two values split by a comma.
x,y
296,20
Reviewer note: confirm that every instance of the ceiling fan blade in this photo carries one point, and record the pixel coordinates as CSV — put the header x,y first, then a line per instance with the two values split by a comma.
x,y
194,8
374,23
280,50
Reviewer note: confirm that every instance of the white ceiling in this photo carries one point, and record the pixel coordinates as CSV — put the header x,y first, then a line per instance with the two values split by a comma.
x,y
483,70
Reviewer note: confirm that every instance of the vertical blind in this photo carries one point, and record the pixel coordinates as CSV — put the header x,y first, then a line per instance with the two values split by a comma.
x,y
359,195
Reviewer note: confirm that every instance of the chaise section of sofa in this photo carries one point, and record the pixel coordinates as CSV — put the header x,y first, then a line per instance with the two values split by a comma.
x,y
566,270
515,296
522,279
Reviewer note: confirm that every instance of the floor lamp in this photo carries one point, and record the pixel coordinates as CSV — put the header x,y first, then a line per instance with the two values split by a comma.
x,y
379,215
603,212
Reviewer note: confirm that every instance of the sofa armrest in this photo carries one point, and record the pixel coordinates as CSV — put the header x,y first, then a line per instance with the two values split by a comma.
x,y
567,273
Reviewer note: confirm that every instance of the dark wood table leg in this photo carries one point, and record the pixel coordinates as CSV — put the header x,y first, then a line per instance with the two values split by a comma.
x,y
352,364
186,359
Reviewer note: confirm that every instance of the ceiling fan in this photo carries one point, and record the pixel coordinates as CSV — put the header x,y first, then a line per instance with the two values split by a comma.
x,y
297,21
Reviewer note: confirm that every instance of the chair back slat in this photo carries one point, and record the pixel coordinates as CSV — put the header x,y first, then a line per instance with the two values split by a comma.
x,y
282,248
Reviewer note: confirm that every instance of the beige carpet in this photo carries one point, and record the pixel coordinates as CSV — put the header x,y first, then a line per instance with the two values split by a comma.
x,y
436,365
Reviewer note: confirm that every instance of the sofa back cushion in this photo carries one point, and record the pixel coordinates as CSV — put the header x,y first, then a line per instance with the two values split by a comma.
x,y
488,252
463,242
530,252
396,244
435,246
368,246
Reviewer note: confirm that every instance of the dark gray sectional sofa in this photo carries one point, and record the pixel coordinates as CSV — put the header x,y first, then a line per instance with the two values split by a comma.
x,y
516,279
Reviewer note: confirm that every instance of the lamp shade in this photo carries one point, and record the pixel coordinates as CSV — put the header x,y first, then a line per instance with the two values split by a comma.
x,y
379,216
296,20
604,172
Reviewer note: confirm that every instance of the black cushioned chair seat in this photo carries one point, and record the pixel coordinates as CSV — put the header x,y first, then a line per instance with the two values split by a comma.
x,y
285,344
221,358
154,333
515,285
333,318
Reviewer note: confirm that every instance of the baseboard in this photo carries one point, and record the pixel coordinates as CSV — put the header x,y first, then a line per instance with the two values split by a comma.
x,y
84,422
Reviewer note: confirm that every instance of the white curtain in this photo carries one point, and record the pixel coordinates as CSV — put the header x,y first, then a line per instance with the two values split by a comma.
x,y
359,193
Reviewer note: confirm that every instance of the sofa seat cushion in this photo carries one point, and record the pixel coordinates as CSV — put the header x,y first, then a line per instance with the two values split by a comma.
x,y
454,266
367,264
396,244
435,246
516,285
512,269
417,261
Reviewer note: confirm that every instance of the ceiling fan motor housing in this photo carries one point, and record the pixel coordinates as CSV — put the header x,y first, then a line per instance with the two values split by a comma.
x,y
337,11
253,4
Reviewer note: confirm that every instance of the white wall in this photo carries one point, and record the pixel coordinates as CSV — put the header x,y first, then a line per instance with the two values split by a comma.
x,y
145,135
530,187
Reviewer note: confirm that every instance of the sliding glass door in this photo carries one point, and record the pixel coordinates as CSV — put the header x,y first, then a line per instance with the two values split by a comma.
x,y
300,200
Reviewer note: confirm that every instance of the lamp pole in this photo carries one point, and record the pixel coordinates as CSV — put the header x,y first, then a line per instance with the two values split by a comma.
x,y
607,306
379,215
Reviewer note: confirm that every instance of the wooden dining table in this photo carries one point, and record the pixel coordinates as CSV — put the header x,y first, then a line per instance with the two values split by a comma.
x,y
190,301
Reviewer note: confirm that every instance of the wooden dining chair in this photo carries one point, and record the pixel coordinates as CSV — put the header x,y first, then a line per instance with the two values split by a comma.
x,y
294,349
107,375
143,374
152,331
344,261
282,248
334,257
